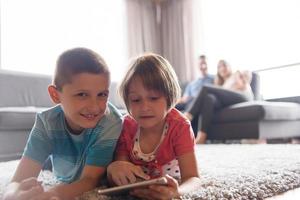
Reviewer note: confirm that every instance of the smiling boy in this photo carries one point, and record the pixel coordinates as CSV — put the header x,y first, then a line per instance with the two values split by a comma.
x,y
79,133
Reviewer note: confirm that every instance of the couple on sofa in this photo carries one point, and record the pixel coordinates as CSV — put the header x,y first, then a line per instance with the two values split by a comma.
x,y
204,96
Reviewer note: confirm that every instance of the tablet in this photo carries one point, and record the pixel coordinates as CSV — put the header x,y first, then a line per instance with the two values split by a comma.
x,y
125,188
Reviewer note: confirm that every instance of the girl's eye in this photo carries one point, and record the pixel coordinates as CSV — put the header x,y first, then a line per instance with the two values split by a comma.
x,y
82,94
154,98
134,100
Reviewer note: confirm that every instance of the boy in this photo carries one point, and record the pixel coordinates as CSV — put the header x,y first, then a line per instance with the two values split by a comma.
x,y
79,133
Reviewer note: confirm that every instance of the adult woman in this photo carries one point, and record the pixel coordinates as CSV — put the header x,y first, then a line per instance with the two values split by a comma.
x,y
230,88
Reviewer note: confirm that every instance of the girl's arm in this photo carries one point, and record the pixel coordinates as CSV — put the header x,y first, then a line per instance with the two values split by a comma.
x,y
190,178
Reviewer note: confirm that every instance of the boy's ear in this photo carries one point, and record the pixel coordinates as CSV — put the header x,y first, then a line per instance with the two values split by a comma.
x,y
53,93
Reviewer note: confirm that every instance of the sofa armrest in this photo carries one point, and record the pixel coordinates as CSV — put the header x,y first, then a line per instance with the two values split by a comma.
x,y
295,99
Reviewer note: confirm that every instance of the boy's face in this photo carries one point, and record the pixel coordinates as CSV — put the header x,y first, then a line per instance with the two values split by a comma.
x,y
147,107
83,101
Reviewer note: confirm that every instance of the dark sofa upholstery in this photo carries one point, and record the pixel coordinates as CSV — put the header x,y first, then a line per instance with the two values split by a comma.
x,y
258,119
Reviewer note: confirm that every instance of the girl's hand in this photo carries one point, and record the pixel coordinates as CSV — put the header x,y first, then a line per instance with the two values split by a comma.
x,y
124,172
159,192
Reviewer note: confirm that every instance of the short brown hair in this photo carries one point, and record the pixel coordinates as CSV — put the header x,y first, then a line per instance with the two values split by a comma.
x,y
76,61
156,73
202,57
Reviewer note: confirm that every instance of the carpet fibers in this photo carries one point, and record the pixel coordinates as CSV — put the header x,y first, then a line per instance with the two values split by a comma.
x,y
227,172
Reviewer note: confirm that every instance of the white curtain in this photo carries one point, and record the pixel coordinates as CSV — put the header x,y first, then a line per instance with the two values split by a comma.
x,y
143,29
178,26
166,28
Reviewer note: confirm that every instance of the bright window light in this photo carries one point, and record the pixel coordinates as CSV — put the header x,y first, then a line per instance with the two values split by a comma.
x,y
34,32
281,82
254,35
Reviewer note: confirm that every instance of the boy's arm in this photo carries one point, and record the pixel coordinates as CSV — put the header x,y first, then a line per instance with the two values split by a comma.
x,y
24,184
89,180
27,168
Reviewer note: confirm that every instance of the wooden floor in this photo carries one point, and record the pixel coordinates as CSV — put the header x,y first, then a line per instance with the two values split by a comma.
x,y
289,195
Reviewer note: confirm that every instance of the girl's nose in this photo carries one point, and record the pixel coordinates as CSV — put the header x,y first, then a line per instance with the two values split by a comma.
x,y
145,105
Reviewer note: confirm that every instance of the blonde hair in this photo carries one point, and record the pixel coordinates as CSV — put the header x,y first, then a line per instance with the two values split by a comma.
x,y
219,80
156,73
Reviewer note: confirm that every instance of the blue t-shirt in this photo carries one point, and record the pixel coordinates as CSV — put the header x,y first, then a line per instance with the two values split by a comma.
x,y
193,88
70,153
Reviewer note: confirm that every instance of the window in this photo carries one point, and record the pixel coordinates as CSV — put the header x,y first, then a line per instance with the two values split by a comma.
x,y
280,82
34,32
254,35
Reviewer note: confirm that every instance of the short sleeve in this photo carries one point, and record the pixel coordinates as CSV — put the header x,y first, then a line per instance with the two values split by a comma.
x,y
125,142
184,140
39,144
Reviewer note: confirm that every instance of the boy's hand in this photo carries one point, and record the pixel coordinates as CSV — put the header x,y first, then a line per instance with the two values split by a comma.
x,y
46,196
24,190
159,192
124,172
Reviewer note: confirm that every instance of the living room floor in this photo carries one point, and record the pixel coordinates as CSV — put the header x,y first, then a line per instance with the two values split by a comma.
x,y
289,195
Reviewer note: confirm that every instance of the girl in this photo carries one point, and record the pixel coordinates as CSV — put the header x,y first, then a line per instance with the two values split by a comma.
x,y
156,139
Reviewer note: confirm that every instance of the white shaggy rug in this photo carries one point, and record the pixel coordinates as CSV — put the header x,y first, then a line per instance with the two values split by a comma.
x,y
227,171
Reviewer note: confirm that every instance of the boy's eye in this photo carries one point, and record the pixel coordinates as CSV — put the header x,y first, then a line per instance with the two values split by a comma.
x,y
103,94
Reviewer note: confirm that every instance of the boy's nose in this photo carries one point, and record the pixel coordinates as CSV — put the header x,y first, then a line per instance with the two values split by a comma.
x,y
95,106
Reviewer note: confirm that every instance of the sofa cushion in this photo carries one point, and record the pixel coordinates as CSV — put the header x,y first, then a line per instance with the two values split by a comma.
x,y
259,110
18,118
24,89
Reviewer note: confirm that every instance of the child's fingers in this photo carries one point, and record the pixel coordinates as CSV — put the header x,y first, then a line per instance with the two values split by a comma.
x,y
172,182
54,198
32,192
162,192
46,196
166,191
120,180
151,194
138,171
131,177
29,183
141,193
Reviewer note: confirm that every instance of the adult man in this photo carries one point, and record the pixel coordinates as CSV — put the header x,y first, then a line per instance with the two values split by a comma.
x,y
192,89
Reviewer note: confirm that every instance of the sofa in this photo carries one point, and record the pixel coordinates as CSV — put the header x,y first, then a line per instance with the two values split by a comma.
x,y
259,119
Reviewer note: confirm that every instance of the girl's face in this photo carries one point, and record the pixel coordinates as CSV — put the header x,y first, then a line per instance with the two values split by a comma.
x,y
223,70
147,107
